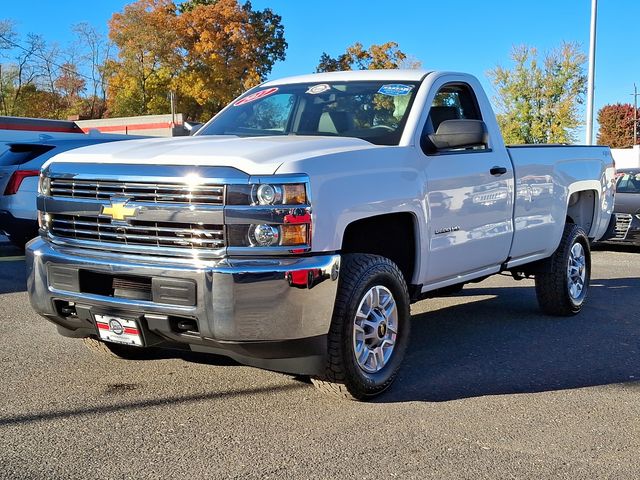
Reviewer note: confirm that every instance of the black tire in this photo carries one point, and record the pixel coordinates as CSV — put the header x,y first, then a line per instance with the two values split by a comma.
x,y
344,377
553,286
115,350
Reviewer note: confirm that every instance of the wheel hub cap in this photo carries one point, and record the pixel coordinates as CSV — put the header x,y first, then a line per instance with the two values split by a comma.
x,y
375,328
576,271
382,330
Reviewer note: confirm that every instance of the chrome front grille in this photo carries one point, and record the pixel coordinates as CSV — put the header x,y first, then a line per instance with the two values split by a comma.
x,y
623,222
138,191
138,233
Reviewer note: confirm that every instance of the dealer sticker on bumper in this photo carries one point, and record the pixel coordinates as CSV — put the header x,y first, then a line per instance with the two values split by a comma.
x,y
118,330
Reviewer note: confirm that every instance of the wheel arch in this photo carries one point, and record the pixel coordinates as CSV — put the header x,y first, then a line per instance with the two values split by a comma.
x,y
581,209
392,235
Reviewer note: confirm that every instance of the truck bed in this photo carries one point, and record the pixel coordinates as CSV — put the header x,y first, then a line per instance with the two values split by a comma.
x,y
545,178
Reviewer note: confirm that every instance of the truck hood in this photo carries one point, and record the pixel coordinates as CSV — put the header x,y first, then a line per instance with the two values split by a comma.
x,y
254,156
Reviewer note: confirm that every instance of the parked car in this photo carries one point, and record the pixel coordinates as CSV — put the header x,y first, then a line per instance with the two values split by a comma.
x,y
20,164
627,207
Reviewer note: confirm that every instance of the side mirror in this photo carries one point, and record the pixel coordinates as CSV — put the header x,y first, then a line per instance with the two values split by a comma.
x,y
459,134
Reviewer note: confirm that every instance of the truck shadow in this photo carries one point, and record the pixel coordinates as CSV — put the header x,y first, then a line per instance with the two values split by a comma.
x,y
504,345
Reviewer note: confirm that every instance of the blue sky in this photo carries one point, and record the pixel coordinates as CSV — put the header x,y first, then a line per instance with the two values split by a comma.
x,y
465,35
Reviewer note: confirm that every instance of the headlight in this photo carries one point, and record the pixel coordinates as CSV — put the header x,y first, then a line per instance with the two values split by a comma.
x,y
264,235
265,194
269,235
287,194
269,215
44,185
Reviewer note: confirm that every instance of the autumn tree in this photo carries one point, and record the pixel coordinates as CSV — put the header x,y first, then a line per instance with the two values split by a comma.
x,y
616,125
70,85
206,51
230,48
539,102
146,34
356,57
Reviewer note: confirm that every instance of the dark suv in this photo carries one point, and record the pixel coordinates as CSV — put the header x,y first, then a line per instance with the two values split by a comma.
x,y
627,207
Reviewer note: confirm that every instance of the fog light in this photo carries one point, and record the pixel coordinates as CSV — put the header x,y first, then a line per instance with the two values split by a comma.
x,y
44,185
264,235
268,194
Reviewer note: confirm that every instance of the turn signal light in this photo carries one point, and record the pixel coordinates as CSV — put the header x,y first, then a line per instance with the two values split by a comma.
x,y
295,234
16,180
294,194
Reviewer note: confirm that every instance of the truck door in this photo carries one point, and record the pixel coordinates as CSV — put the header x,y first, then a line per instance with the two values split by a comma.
x,y
469,196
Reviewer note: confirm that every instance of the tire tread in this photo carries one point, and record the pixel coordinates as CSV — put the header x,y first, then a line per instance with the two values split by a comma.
x,y
355,268
551,286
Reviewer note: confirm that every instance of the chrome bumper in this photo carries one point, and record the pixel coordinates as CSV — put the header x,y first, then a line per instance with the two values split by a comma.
x,y
237,302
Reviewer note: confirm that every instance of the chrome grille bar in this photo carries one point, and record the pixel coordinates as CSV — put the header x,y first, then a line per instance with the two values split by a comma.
x,y
136,232
146,192
623,223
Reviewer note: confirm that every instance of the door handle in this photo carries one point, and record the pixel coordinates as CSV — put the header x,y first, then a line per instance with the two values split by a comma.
x,y
497,171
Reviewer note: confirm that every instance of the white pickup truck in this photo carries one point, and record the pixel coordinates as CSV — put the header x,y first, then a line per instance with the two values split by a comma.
x,y
296,228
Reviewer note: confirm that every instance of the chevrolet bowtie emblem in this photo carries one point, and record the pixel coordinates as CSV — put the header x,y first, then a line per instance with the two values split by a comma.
x,y
118,210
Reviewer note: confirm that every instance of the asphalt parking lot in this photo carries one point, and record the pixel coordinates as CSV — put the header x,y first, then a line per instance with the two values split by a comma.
x,y
490,389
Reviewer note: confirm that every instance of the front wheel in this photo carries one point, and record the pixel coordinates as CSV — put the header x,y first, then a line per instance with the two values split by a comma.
x,y
369,329
563,288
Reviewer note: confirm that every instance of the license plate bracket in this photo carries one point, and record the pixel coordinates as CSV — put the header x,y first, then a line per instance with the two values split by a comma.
x,y
116,329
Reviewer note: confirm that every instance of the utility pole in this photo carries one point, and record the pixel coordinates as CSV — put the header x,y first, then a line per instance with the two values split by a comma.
x,y
172,101
592,67
635,114
1,94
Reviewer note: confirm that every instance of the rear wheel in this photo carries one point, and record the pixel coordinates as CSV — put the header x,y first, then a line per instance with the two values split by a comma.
x,y
563,288
369,329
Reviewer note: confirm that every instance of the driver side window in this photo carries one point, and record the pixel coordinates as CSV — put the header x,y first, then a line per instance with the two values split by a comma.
x,y
454,101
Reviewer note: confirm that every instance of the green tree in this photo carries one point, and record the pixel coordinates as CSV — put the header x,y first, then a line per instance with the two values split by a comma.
x,y
539,102
356,57
616,125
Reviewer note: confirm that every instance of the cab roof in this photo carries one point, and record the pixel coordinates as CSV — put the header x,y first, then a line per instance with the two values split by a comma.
x,y
407,75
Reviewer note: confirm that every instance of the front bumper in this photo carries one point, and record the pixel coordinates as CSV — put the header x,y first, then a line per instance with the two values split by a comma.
x,y
272,313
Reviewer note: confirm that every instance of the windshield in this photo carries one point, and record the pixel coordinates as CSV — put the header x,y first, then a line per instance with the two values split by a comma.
x,y
373,111
628,181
